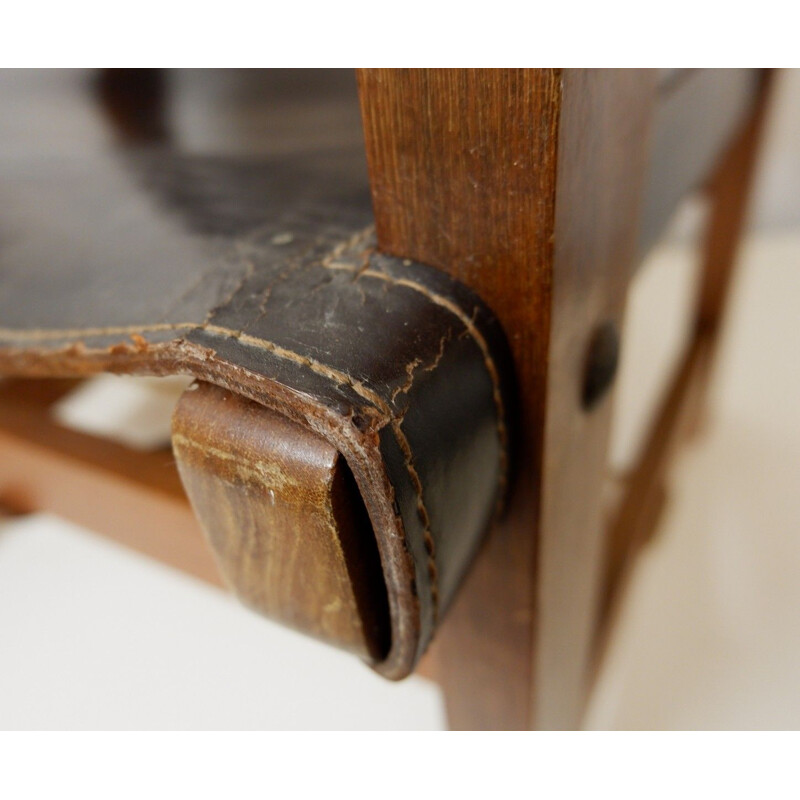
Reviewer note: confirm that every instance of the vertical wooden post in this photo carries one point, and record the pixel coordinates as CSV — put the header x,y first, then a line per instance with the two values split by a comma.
x,y
524,184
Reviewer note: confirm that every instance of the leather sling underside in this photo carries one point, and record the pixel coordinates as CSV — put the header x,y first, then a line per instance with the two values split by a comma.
x,y
251,276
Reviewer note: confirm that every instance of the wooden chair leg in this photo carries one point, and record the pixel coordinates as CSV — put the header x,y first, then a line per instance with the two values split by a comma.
x,y
466,176
546,234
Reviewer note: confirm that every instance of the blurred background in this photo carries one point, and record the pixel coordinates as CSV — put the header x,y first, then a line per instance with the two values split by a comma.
x,y
96,636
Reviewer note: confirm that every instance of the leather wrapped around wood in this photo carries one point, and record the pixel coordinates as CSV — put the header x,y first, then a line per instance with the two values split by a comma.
x,y
253,277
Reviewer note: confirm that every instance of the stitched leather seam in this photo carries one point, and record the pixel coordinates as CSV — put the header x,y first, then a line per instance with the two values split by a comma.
x,y
422,512
332,374
337,376
349,244
328,372
477,337
342,378
54,334
42,335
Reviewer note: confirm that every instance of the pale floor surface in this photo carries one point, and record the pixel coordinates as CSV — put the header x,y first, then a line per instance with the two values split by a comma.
x,y
709,636
93,636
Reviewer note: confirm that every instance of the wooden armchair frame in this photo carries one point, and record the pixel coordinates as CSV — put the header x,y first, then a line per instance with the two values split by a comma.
x,y
540,189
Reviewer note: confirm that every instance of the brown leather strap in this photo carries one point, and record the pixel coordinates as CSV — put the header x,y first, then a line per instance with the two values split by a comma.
x,y
393,363
148,261
285,520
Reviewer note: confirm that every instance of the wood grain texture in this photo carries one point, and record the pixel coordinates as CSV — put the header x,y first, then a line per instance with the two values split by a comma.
x,y
603,149
525,185
284,519
462,169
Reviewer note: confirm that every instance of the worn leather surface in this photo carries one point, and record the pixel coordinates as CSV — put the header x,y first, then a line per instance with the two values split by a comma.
x,y
140,253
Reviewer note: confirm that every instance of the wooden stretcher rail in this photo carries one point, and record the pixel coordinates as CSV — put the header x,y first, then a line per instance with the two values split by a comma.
x,y
133,497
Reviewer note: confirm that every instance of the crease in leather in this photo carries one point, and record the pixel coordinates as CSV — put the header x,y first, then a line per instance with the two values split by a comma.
x,y
328,325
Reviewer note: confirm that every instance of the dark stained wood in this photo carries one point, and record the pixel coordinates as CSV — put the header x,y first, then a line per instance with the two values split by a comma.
x,y
284,518
602,152
462,168
525,185
132,497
